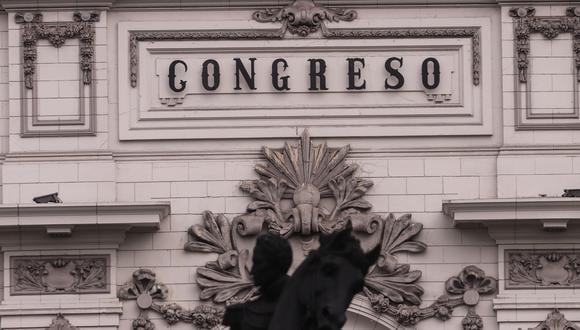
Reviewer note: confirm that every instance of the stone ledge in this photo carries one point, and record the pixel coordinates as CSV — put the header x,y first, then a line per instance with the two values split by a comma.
x,y
26,308
101,224
554,214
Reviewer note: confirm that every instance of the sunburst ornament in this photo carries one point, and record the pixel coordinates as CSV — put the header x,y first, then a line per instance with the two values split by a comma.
x,y
302,175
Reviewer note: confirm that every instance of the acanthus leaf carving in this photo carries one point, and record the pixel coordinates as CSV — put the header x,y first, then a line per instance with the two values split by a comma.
x,y
144,288
303,17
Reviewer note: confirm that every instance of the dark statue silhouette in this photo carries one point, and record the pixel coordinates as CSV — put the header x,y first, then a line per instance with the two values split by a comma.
x,y
317,294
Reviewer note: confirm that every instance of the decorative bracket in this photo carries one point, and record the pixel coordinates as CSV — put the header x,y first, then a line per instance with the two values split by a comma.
x,y
34,29
526,23
303,17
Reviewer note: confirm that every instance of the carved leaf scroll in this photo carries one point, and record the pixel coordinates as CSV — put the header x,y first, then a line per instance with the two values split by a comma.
x,y
303,17
228,277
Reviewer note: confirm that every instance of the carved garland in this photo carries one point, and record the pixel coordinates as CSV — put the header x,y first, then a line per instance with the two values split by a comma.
x,y
56,33
306,189
146,290
526,23
303,17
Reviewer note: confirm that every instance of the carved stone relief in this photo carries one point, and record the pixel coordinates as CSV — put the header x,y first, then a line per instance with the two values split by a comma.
x,y
527,23
59,275
60,323
305,189
56,33
542,269
556,321
303,17
34,29
146,290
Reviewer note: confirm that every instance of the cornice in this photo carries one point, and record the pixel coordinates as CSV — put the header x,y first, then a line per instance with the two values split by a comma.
x,y
554,214
121,217
12,5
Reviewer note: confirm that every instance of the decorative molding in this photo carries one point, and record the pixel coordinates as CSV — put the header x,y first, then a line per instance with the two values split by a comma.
x,y
59,275
385,33
463,289
473,33
60,323
556,321
303,17
56,33
138,36
146,290
527,23
542,269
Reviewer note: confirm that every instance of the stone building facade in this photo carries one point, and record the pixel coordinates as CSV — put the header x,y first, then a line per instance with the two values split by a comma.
x,y
176,131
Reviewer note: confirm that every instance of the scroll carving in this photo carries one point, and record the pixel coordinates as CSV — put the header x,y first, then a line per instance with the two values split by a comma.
x,y
34,29
59,275
556,321
303,17
542,269
526,22
61,323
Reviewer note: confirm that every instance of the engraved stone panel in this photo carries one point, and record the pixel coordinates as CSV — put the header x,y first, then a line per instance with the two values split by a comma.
x,y
33,275
538,269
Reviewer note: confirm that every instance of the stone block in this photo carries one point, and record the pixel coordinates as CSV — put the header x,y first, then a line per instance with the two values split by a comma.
x,y
152,190
464,187
554,165
206,170
462,254
96,171
134,172
478,166
170,171
189,189
20,173
153,258
425,185
125,192
78,192
447,166
407,167
407,203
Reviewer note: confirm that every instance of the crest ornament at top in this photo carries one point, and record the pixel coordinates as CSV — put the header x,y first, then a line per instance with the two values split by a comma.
x,y
294,181
303,17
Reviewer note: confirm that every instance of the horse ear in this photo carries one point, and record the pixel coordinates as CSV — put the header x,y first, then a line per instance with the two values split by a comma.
x,y
373,255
